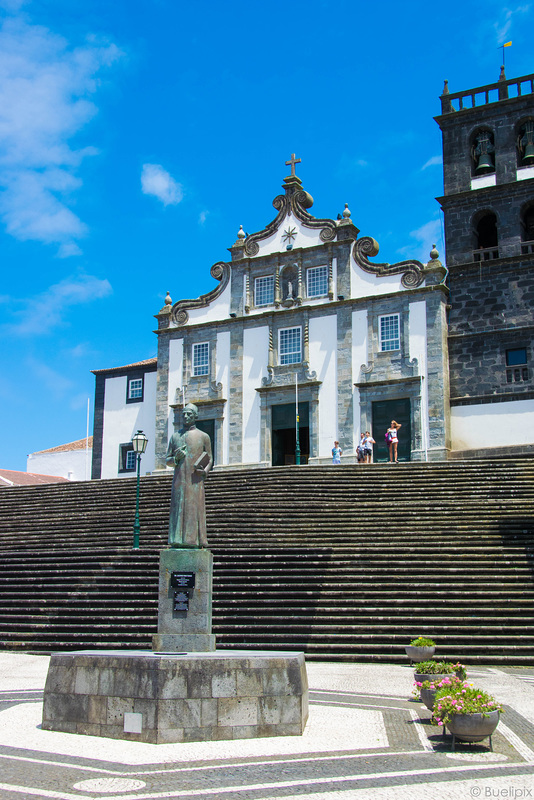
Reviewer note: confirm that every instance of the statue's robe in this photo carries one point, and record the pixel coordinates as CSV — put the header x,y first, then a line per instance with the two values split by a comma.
x,y
187,522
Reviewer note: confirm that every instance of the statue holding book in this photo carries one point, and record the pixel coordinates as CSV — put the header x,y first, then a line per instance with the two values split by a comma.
x,y
189,452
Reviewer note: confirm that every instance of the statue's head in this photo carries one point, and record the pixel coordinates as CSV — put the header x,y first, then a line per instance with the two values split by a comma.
x,y
190,414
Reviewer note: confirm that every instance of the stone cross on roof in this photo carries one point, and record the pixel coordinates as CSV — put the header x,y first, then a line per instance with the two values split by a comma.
x,y
292,161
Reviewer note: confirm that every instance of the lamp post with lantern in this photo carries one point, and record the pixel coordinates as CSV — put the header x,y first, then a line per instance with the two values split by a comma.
x,y
139,442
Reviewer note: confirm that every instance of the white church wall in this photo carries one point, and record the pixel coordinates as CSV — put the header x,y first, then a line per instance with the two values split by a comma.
x,y
222,376
122,420
304,237
216,310
492,425
72,464
359,356
255,357
417,348
175,377
365,284
323,360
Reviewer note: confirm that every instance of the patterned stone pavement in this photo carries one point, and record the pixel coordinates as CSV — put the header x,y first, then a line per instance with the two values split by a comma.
x,y
366,738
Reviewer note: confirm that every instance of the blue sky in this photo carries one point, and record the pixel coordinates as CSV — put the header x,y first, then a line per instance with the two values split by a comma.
x,y
136,137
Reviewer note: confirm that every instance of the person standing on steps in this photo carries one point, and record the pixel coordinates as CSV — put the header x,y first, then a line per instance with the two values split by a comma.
x,y
392,440
336,453
360,454
368,441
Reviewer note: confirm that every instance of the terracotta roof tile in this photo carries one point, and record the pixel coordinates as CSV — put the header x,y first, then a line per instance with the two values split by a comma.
x,y
148,362
79,444
9,477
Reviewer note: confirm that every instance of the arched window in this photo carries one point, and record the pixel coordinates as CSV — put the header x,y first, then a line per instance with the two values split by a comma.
x,y
482,153
525,144
486,238
527,230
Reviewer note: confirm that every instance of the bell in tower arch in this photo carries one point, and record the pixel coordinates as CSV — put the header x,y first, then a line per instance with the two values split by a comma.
x,y
483,150
526,144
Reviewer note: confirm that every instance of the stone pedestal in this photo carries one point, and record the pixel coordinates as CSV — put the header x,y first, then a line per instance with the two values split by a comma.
x,y
185,631
161,698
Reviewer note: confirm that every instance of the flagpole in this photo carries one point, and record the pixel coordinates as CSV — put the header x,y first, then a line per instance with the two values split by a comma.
x,y
501,47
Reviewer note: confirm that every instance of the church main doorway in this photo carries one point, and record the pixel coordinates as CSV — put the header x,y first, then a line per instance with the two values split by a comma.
x,y
384,412
208,426
284,434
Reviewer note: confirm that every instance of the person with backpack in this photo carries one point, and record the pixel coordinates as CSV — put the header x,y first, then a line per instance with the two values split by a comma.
x,y
392,441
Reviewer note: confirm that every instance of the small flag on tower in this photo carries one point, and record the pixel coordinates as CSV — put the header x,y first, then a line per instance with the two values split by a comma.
x,y
502,46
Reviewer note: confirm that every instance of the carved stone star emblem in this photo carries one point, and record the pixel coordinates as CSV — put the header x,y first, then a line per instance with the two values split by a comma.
x,y
289,235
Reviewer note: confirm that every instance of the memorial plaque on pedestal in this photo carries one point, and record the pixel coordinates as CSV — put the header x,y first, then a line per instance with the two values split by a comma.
x,y
184,602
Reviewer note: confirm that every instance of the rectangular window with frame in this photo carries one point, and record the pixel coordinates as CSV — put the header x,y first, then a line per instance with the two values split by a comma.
x,y
317,281
264,291
516,365
290,346
201,359
127,462
135,390
389,332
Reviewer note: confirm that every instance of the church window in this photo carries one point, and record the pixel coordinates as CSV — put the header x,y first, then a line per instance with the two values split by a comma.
x,y
486,238
516,365
127,461
317,279
134,392
264,291
389,333
290,349
201,355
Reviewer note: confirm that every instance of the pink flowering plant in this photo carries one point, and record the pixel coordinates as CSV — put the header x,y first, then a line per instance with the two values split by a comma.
x,y
459,698
433,686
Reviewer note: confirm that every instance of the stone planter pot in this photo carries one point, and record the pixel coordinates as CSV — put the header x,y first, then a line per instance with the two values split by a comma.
x,y
417,654
427,697
472,727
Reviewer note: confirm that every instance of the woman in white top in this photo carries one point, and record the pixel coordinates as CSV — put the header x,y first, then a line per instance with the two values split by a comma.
x,y
393,440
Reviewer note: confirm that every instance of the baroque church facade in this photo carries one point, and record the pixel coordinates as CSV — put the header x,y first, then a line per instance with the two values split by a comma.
x,y
308,338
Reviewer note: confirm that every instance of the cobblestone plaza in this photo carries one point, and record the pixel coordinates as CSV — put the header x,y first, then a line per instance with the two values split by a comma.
x,y
366,738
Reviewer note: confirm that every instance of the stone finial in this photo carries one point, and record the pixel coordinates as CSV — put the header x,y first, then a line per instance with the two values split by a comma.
x,y
502,76
168,299
241,233
346,212
434,255
445,87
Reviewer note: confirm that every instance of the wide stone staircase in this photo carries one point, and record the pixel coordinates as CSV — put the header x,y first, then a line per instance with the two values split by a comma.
x,y
344,563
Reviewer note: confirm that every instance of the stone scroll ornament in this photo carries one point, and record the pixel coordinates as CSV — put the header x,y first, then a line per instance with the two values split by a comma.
x,y
221,272
296,204
412,271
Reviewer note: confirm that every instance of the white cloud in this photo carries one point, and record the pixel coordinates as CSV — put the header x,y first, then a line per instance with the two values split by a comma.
x,y
202,217
49,308
12,6
432,162
45,86
425,236
56,384
503,26
158,182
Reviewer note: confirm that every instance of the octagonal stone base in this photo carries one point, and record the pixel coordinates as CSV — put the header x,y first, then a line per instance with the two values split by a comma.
x,y
161,697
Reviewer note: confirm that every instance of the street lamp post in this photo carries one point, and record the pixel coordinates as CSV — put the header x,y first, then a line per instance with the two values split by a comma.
x,y
139,442
297,439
